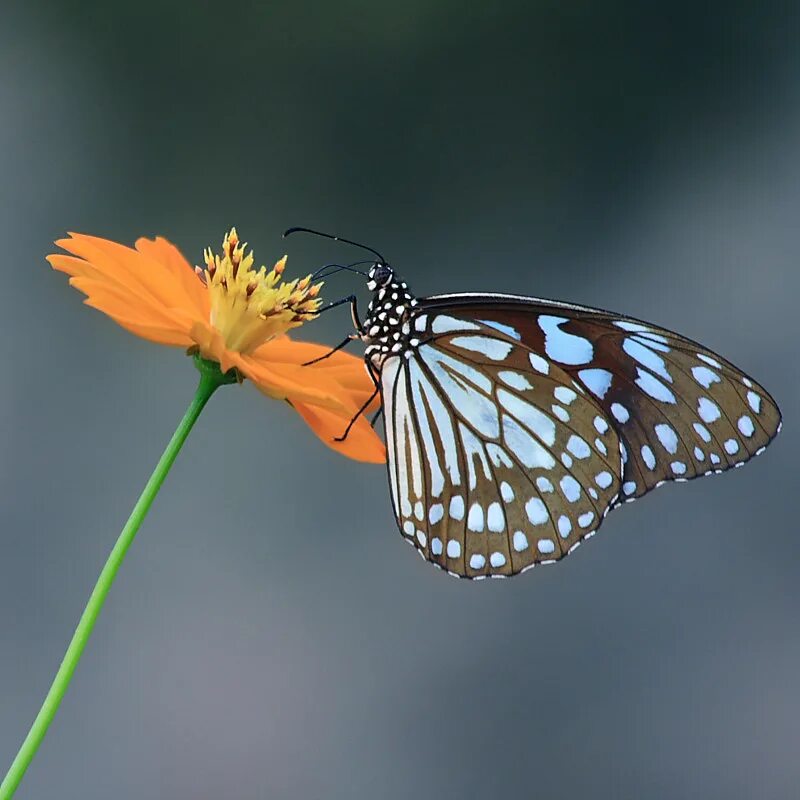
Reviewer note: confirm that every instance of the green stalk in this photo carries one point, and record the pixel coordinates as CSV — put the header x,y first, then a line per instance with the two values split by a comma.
x,y
210,380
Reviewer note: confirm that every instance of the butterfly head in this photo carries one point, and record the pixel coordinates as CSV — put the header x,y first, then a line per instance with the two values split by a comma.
x,y
379,276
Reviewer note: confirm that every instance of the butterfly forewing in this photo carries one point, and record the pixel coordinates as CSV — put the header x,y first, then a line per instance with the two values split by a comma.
x,y
497,459
680,410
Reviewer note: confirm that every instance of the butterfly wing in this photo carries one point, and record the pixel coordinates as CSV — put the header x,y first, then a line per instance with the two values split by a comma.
x,y
497,461
680,410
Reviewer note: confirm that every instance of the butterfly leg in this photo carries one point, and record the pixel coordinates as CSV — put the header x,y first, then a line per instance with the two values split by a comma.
x,y
357,415
352,337
376,416
353,310
340,346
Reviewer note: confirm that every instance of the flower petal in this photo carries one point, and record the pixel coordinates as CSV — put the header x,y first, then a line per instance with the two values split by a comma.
x,y
164,252
116,303
361,444
283,381
295,384
149,283
349,371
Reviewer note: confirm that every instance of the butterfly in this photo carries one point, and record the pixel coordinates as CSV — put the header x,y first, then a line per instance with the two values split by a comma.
x,y
514,424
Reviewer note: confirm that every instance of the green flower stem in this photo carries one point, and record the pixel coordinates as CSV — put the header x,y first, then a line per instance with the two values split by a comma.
x,y
210,380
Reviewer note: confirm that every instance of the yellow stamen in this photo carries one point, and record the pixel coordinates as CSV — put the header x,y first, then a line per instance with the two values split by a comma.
x,y
250,307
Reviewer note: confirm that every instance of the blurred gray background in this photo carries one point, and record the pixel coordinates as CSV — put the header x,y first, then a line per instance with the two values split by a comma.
x,y
270,636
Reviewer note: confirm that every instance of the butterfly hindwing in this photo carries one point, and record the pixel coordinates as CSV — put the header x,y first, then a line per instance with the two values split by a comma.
x,y
497,459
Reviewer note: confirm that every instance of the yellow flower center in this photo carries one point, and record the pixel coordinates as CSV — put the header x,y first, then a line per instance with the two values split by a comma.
x,y
250,307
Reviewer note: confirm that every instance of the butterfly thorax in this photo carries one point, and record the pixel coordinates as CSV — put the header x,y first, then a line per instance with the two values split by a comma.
x,y
386,329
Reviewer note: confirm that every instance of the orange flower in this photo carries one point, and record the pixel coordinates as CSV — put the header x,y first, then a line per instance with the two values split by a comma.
x,y
230,313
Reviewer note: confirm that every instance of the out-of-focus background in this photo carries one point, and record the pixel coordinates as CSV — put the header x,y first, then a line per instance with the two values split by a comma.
x,y
270,634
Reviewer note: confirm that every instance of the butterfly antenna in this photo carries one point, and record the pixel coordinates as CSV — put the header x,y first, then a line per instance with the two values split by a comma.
x,y
320,273
290,231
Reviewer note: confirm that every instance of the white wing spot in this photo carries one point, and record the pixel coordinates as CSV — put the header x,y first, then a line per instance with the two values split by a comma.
x,y
506,492
708,410
566,460
570,488
585,520
702,431
457,507
620,413
648,457
754,401
633,327
477,561
539,363
731,446
536,511
486,346
705,377
597,381
564,395
600,425
497,559
436,546
564,526
543,485
600,445
475,518
520,541
629,487
653,386
699,454
435,513
409,527
421,538
603,479
514,380
495,519
454,548
545,546
444,324
578,447
560,412
498,326
667,437
678,467
562,346
745,425
646,357
709,360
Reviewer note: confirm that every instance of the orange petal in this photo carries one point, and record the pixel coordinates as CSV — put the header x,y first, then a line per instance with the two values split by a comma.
x,y
361,444
153,333
116,304
296,384
150,281
164,252
282,381
349,371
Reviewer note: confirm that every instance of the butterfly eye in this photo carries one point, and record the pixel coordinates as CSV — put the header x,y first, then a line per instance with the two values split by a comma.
x,y
380,274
